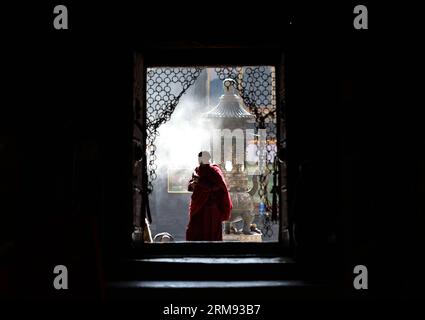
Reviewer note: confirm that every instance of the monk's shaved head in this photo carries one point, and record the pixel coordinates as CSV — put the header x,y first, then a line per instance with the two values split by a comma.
x,y
204,157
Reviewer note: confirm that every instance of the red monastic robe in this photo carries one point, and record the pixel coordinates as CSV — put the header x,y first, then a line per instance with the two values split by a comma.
x,y
210,205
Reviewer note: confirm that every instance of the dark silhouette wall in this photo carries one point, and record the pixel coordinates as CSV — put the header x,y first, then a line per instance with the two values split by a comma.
x,y
66,129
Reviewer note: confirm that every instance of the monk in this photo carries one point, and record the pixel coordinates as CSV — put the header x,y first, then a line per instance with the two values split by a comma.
x,y
210,204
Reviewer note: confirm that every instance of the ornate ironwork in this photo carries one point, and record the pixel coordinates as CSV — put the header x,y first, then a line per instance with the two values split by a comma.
x,y
165,87
257,87
266,225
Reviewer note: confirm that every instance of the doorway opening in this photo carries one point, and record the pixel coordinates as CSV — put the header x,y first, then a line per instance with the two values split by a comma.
x,y
229,113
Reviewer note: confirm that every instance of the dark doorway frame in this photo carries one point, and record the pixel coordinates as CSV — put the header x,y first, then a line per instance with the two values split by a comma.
x,y
207,56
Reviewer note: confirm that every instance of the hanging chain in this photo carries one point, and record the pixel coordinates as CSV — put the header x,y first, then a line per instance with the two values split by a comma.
x,y
165,87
